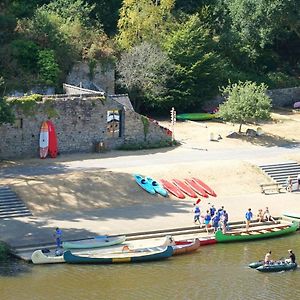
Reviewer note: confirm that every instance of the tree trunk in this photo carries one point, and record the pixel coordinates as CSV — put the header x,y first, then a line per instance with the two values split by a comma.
x,y
240,129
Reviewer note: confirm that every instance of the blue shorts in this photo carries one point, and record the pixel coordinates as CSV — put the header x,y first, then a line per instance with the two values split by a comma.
x,y
206,222
196,218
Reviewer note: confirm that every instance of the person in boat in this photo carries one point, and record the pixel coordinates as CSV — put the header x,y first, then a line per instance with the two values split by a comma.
x,y
292,257
207,220
260,215
267,259
267,215
248,216
58,236
197,214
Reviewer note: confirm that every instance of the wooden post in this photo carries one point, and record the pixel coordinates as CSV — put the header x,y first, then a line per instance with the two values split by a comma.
x,y
173,121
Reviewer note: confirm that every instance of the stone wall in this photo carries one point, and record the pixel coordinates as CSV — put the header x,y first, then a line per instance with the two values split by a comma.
x,y
103,77
284,97
80,123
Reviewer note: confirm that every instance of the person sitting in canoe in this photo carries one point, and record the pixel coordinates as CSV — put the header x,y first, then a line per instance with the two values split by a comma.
x,y
292,257
260,215
267,216
267,259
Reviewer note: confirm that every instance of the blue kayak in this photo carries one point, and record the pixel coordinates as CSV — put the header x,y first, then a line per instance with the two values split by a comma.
x,y
157,187
143,183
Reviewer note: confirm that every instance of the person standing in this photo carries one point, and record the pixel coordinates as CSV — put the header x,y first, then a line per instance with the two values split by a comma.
x,y
248,216
197,214
212,210
58,236
207,220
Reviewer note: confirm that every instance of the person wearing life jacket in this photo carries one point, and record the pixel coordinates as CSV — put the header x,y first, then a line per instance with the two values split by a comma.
x,y
58,235
197,214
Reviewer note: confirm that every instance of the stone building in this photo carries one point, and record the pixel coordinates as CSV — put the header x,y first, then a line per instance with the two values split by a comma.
x,y
85,122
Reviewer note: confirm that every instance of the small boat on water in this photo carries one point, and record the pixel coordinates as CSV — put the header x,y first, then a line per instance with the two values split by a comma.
x,y
254,234
277,267
96,242
123,256
185,246
46,257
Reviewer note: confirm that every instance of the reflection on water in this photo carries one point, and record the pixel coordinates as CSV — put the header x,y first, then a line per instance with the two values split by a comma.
x,y
214,272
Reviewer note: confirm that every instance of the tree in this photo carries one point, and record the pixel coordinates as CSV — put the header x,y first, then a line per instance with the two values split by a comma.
x,y
6,114
246,102
144,21
199,69
144,71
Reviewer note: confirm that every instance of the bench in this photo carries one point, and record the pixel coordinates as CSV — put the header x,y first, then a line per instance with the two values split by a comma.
x,y
271,187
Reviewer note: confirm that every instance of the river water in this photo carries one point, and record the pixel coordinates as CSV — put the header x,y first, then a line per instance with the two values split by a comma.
x,y
214,272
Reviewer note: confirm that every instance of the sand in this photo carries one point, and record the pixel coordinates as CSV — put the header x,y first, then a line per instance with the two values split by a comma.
x,y
115,187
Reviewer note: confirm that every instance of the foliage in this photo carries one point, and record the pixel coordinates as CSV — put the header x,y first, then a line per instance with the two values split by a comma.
x,y
199,68
27,104
246,102
6,113
146,124
144,21
144,71
48,67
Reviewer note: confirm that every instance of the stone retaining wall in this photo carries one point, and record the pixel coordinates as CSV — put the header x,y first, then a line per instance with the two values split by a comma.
x,y
81,123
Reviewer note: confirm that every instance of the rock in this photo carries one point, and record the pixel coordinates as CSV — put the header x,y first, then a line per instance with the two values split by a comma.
x,y
233,135
251,132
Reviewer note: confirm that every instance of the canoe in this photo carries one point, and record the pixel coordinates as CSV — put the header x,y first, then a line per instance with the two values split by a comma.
x,y
292,215
196,116
196,187
208,240
277,267
274,231
157,187
207,188
136,255
256,264
185,246
144,184
173,189
184,188
96,242
42,257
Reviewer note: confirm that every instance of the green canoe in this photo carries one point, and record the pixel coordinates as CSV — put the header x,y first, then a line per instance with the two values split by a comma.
x,y
196,116
255,234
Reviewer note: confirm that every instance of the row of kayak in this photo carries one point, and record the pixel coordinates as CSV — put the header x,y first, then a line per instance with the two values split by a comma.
x,y
123,252
193,187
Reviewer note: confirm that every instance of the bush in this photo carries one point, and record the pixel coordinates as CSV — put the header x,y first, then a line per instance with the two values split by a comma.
x,y
48,67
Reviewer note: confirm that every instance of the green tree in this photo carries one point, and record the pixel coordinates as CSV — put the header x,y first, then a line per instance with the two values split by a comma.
x,y
144,21
6,113
199,69
246,102
143,72
48,67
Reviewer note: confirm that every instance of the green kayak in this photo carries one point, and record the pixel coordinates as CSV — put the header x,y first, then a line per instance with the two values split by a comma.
x,y
196,116
239,236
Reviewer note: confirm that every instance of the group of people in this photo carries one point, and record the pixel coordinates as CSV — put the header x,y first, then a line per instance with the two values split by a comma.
x,y
217,219
261,216
289,183
290,259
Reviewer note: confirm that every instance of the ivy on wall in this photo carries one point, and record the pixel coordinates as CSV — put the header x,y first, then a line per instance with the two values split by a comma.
x,y
146,123
27,104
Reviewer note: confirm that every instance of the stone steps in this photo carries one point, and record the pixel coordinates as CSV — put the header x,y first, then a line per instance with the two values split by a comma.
x,y
280,172
11,205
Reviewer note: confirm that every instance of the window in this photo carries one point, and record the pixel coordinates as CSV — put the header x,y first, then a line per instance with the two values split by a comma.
x,y
113,123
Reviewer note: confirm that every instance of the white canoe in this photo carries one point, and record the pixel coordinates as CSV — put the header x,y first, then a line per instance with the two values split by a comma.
x,y
38,257
97,242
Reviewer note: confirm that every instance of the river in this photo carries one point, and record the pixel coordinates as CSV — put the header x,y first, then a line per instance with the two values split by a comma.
x,y
214,272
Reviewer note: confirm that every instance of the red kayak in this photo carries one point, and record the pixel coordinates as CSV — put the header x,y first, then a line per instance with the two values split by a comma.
x,y
207,189
196,187
208,240
172,188
185,188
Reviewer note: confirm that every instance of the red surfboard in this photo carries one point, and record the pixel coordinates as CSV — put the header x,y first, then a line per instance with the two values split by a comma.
x,y
52,148
185,188
172,188
196,187
207,189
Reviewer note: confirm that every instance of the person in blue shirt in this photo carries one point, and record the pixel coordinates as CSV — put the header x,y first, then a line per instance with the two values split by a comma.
x,y
197,214
58,235
207,220
215,222
248,217
212,210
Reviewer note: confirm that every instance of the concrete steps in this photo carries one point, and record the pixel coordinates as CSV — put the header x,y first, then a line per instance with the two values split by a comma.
x,y
11,205
280,172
